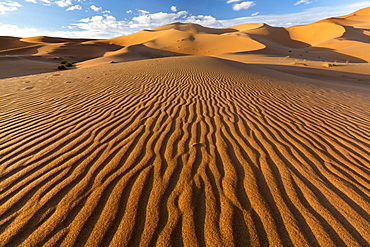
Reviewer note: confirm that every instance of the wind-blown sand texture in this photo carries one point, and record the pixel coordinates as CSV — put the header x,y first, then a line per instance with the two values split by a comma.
x,y
185,151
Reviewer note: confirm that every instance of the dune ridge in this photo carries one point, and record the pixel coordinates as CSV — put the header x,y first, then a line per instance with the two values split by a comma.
x,y
186,151
334,39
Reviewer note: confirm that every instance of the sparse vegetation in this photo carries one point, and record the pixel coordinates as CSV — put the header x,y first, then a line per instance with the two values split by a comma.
x,y
328,65
64,64
61,67
298,63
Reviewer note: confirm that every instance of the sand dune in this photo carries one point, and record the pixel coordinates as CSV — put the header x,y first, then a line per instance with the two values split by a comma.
x,y
189,39
183,151
46,39
193,137
334,39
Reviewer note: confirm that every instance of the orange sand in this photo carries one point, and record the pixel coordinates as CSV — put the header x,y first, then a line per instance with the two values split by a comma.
x,y
235,144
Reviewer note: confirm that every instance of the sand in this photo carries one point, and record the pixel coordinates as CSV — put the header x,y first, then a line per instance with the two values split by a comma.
x,y
231,148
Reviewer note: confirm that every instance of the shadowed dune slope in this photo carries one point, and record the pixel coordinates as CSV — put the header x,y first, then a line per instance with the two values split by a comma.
x,y
46,39
186,151
342,39
11,42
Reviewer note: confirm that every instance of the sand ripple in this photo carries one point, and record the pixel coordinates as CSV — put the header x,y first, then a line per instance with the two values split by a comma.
x,y
182,152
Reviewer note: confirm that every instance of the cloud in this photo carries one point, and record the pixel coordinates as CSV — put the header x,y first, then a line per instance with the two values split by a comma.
x,y
93,7
46,2
147,20
96,9
11,4
243,5
233,1
14,30
300,18
303,1
129,11
63,3
8,7
144,12
31,1
173,8
107,26
255,13
74,7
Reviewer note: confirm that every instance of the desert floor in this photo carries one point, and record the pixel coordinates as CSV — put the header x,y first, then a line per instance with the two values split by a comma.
x,y
186,151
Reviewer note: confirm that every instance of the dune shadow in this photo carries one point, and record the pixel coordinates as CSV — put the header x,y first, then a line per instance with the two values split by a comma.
x,y
146,52
322,75
332,78
17,66
80,52
356,34
312,53
21,51
278,35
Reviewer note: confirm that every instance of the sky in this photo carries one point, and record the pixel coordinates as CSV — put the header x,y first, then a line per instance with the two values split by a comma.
x,y
112,18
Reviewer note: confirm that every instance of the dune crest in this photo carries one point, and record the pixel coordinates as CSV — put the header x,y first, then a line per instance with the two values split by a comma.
x,y
334,39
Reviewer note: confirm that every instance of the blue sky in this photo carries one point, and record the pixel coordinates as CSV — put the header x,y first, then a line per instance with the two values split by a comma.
x,y
111,18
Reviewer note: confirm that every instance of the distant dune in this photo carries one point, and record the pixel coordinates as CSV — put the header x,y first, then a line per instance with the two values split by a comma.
x,y
185,135
335,39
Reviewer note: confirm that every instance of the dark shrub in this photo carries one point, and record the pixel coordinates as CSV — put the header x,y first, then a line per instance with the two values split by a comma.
x,y
61,67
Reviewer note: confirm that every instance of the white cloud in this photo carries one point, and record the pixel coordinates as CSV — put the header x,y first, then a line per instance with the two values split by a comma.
x,y
8,7
107,26
173,8
63,3
255,13
144,12
303,1
31,1
146,20
72,27
13,30
243,5
93,7
233,1
74,7
129,11
204,20
305,17
12,4
46,2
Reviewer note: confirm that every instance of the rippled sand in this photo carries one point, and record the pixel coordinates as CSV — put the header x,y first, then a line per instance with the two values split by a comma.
x,y
189,151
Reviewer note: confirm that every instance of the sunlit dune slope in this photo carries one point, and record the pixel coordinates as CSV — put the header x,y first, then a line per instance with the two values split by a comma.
x,y
185,151
342,38
188,38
